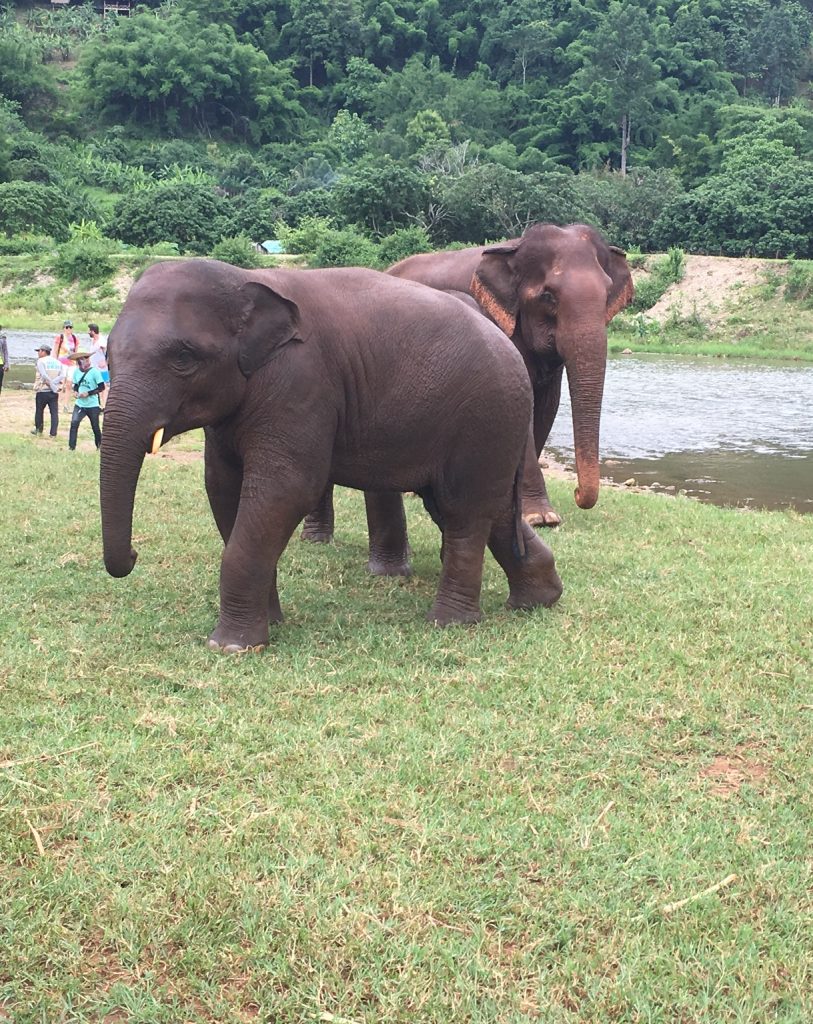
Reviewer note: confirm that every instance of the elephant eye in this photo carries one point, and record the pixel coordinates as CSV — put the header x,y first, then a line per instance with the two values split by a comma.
x,y
184,358
548,299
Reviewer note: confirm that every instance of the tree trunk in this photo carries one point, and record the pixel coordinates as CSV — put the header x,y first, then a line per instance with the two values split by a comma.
x,y
625,141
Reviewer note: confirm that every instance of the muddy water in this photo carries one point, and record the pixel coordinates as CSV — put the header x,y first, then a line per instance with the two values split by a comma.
x,y
724,431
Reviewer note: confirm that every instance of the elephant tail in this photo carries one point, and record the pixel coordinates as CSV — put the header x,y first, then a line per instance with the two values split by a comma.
x,y
516,508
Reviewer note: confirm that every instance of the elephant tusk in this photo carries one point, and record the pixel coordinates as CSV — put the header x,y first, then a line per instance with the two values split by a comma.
x,y
157,438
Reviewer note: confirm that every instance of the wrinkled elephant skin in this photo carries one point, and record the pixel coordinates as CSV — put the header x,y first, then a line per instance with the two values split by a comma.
x,y
303,379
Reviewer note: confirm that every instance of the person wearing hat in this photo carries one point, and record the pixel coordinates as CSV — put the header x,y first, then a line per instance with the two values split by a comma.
x,y
65,344
87,386
3,356
48,383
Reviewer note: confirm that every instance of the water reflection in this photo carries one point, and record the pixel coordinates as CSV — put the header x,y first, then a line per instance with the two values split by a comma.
x,y
733,433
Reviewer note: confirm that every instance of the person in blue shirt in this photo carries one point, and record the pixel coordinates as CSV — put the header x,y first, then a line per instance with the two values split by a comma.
x,y
87,386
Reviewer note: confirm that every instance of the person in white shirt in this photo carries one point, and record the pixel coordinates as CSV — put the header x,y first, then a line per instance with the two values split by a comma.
x,y
49,380
98,358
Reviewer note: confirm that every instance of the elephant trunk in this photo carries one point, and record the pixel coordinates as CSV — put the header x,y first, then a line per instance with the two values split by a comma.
x,y
124,446
585,375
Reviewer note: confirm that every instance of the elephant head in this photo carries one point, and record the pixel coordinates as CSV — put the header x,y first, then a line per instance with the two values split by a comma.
x,y
189,338
554,291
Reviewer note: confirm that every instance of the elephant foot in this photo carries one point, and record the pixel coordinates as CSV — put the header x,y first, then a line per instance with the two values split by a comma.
x,y
383,566
538,583
244,642
444,615
316,533
235,648
539,513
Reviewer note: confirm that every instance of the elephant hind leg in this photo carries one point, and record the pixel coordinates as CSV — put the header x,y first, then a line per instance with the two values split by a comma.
x,y
532,578
318,524
387,529
458,596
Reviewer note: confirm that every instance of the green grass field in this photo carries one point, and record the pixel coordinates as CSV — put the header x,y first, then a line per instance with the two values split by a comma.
x,y
596,813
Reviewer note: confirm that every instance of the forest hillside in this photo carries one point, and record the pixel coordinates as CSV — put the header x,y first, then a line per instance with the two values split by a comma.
x,y
361,130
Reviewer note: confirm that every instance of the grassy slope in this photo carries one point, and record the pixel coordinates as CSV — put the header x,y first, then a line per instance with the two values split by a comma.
x,y
379,821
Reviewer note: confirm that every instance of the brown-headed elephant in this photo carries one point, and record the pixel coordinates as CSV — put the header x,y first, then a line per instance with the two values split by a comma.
x,y
307,378
553,292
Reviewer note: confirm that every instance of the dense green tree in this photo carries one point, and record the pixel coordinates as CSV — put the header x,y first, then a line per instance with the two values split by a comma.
x,y
323,30
255,212
192,216
180,74
390,37
626,207
427,131
621,75
380,195
34,208
519,40
350,136
23,74
760,204
491,202
281,95
781,40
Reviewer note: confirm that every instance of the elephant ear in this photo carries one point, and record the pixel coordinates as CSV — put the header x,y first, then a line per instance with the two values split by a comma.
x,y
269,322
622,290
494,286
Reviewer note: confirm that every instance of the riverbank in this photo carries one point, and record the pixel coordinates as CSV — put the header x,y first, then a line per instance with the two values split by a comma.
x,y
729,308
722,307
376,819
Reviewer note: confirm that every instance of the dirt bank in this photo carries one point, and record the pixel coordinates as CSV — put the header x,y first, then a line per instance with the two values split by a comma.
x,y
710,287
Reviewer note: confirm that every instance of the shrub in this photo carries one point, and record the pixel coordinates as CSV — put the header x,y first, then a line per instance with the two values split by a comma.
x,y
306,237
402,243
25,245
346,248
85,261
238,250
28,206
193,216
665,271
317,202
799,281
163,249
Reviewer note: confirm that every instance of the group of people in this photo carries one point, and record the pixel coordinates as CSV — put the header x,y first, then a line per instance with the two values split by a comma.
x,y
69,369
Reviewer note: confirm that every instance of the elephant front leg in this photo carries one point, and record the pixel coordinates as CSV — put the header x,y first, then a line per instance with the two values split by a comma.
x,y
386,525
248,575
223,475
318,525
536,507
224,480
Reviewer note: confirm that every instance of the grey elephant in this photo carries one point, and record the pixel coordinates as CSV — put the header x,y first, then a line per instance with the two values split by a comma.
x,y
553,292
303,379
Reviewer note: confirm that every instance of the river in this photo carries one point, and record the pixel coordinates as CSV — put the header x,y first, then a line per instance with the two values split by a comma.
x,y
731,432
